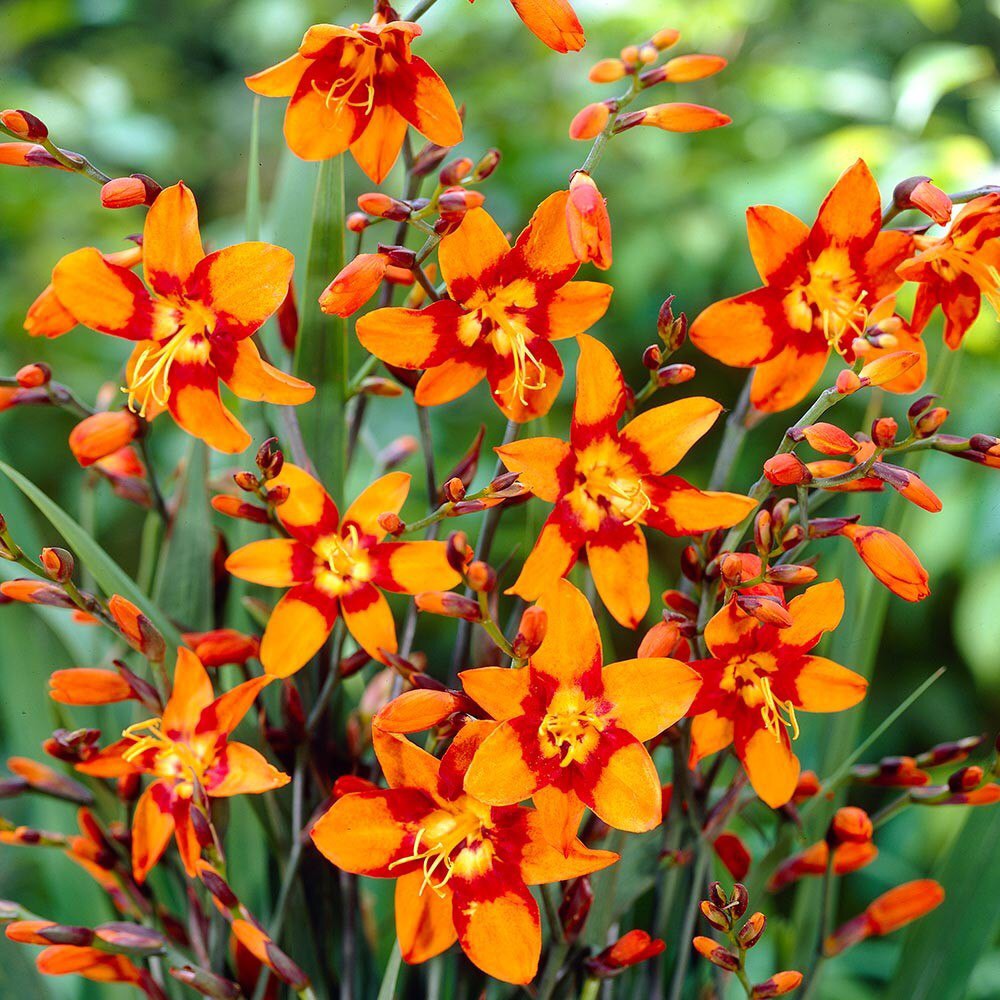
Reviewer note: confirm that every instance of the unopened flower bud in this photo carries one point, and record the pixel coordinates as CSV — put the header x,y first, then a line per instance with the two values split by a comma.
x,y
383,206
731,570
358,222
776,985
739,900
589,122
102,434
58,564
607,71
825,438
716,954
888,367
790,575
34,375
578,897
398,257
530,632
138,630
456,171
449,605
687,69
671,329
750,933
208,984
270,459
354,285
391,524
847,382
458,201
691,565
675,117
277,495
919,193
24,125
786,470
930,422
481,577
652,357
454,490
884,431
384,388
486,166
675,375
965,779
716,917
762,536
793,536
767,610
849,825
665,38
457,550
398,451
123,192
428,159
246,481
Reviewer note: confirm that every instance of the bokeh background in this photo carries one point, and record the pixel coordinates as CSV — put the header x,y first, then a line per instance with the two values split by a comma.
x,y
909,85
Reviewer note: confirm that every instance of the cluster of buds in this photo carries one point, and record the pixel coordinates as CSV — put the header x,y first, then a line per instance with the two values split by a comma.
x,y
638,63
725,913
269,461
672,331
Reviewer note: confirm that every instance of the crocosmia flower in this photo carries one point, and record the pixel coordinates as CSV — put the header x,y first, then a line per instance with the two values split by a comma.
x,y
507,304
606,482
758,677
959,269
189,754
463,867
819,286
335,565
571,733
358,88
194,328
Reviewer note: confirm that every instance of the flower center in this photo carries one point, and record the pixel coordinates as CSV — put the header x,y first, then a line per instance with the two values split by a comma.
x,y
511,337
173,758
438,844
345,559
572,730
338,96
754,686
606,474
832,290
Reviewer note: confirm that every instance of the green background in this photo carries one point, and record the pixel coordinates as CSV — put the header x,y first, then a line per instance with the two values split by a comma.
x,y
157,87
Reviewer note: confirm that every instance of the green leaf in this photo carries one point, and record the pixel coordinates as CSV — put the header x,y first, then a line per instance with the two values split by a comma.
x,y
184,580
321,351
940,951
110,577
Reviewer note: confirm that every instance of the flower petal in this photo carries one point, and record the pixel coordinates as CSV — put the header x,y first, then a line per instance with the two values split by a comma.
x,y
502,772
404,764
559,814
851,214
729,632
542,862
195,405
543,249
369,620
470,258
600,394
385,496
499,690
770,765
622,786
571,648
619,563
410,567
152,828
241,367
242,770
571,310
412,338
314,129
681,509
553,556
710,732
297,628
744,330
777,244
820,685
543,464
537,402
224,714
552,21
281,79
273,562
664,434
787,379
377,148
424,927
192,692
243,285
422,98
649,695
308,513
815,611
171,241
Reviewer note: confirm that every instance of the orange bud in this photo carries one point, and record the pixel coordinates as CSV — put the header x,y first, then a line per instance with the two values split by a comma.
x,y
588,123
28,931
665,38
384,207
827,439
930,422
588,222
458,201
438,602
456,171
357,222
123,192
808,785
235,507
419,709
716,917
888,367
27,154
34,375
919,193
391,523
58,564
222,646
790,575
88,686
630,54
847,382
904,904
674,375
715,953
680,117
786,470
531,632
102,434
354,285
850,825
684,69
893,562
607,71
375,385
908,484
632,948
776,985
766,610
24,125
750,933
137,629
660,640
35,592
481,577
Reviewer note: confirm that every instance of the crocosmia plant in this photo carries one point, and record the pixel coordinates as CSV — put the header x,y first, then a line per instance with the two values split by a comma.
x,y
431,625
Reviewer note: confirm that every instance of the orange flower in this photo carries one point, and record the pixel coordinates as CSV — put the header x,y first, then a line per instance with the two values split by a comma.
x,y
755,680
48,317
189,753
819,287
605,482
506,306
892,910
358,88
571,733
893,562
958,269
335,566
195,329
463,867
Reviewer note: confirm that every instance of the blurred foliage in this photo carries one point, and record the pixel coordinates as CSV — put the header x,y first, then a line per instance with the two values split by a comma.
x,y
910,85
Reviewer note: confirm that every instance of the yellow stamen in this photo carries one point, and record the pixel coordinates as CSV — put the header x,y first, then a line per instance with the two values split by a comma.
x,y
634,494
154,738
841,315
521,354
439,854
341,554
341,90
772,710
571,730
151,373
